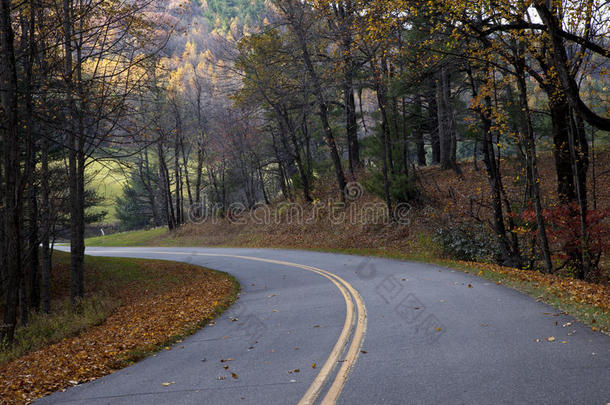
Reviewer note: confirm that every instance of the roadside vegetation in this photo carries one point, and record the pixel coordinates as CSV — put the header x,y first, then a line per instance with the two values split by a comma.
x,y
131,308
444,231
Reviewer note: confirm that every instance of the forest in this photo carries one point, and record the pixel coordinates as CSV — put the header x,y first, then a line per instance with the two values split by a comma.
x,y
207,103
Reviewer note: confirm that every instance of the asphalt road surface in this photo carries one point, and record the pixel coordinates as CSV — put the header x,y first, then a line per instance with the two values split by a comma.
x,y
328,328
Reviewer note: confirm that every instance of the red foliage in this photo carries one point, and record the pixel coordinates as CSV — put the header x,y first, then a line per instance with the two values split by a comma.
x,y
564,233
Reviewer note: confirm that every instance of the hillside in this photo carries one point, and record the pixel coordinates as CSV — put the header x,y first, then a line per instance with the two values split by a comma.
x,y
459,203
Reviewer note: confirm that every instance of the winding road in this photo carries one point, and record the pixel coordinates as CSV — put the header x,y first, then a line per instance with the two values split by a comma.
x,y
328,328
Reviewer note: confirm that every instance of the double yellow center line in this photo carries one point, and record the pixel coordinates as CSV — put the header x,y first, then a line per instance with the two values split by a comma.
x,y
352,334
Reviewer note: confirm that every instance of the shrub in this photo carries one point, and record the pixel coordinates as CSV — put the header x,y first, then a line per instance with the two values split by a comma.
x,y
467,243
565,237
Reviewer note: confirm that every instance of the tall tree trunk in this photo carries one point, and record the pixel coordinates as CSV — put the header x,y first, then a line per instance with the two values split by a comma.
x,y
560,119
33,242
75,160
530,142
419,133
168,209
510,255
329,137
12,172
185,161
344,14
178,183
385,133
446,128
351,124
433,123
198,177
45,270
562,66
280,163
577,127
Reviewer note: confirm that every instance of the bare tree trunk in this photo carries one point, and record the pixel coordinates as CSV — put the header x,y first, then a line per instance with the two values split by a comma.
x,y
344,14
168,209
581,194
45,271
12,172
178,183
185,165
419,133
385,133
433,123
199,175
33,258
532,164
560,60
446,129
295,17
511,255
280,163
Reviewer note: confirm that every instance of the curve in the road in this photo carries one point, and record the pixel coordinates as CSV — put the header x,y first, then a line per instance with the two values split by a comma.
x,y
433,336
353,330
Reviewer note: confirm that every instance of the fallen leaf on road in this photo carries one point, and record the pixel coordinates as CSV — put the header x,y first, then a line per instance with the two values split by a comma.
x,y
167,384
235,376
550,339
313,365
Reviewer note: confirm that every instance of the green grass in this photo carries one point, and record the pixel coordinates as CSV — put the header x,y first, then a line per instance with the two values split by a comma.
x,y
133,238
107,179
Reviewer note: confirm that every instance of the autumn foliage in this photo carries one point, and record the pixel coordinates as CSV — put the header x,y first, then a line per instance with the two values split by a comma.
x,y
149,318
565,235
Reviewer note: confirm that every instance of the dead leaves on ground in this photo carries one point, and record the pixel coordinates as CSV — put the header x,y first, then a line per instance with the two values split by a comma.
x,y
131,330
573,290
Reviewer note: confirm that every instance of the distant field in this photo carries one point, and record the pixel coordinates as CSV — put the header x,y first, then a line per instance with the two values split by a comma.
x,y
108,179
149,237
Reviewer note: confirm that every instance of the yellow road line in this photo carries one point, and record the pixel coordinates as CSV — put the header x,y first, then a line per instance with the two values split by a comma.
x,y
357,338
